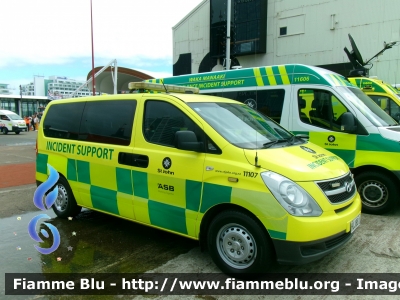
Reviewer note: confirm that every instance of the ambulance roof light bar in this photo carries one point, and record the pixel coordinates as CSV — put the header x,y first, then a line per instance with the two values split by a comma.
x,y
157,87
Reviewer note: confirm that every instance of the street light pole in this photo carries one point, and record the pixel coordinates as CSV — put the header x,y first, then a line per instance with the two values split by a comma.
x,y
93,83
20,99
228,36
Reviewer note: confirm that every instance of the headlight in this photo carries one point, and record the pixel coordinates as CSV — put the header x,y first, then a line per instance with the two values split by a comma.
x,y
291,196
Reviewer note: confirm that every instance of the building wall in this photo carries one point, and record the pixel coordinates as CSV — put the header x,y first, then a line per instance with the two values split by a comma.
x,y
58,86
317,32
5,89
192,35
38,82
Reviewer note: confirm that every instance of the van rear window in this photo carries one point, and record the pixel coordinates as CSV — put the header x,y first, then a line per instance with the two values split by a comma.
x,y
108,122
63,121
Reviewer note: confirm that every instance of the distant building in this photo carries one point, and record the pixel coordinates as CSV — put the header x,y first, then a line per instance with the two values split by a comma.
x,y
4,89
55,87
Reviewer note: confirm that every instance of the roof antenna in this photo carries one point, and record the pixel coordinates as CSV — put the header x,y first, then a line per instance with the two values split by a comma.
x,y
256,160
162,81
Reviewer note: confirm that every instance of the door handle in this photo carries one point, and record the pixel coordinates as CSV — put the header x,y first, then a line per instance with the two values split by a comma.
x,y
134,160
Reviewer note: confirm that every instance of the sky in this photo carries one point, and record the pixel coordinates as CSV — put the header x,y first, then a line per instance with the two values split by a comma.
x,y
53,37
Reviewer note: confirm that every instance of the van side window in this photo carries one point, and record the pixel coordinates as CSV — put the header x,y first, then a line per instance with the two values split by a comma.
x,y
161,121
63,121
108,122
268,102
388,105
4,118
320,108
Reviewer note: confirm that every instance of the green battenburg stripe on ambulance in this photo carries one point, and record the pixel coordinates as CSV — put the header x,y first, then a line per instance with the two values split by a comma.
x,y
41,163
140,184
277,234
347,155
161,215
214,194
193,194
83,168
124,181
376,142
104,199
71,170
277,75
261,76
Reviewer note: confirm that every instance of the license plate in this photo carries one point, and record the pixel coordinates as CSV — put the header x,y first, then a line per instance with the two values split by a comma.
x,y
355,223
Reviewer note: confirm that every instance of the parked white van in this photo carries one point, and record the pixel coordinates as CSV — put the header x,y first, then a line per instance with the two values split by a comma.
x,y
334,113
10,121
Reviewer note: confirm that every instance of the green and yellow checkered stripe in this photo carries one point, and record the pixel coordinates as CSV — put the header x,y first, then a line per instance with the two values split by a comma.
x,y
126,193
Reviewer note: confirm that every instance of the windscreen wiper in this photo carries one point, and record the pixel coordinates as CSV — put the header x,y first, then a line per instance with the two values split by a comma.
x,y
269,144
291,140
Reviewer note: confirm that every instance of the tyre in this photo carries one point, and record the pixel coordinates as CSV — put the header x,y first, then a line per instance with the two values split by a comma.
x,y
17,132
239,245
65,205
5,130
378,192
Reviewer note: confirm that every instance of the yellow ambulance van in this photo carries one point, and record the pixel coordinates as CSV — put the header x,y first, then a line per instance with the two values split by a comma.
x,y
383,94
334,113
207,168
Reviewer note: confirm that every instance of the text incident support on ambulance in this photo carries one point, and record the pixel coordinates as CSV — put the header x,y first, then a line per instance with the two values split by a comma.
x,y
99,152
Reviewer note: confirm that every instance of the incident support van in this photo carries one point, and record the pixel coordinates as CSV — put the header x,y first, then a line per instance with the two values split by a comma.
x,y
333,112
208,168
11,122
385,95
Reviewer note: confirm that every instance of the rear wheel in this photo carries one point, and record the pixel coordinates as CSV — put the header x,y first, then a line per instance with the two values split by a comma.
x,y
65,205
5,130
378,192
239,245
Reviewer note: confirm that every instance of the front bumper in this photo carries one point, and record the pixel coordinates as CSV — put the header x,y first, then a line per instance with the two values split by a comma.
x,y
296,253
18,129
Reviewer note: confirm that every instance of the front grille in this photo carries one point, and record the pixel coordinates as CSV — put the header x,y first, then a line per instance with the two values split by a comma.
x,y
335,190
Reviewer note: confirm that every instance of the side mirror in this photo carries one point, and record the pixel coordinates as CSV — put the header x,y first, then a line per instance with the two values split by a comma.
x,y
187,140
349,124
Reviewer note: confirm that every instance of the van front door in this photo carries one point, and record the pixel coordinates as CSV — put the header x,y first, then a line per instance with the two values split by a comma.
x,y
318,113
167,193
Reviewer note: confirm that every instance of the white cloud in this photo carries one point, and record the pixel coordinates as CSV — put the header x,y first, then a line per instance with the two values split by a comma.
x,y
52,32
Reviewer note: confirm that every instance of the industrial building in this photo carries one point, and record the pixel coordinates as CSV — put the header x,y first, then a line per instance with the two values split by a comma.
x,y
273,32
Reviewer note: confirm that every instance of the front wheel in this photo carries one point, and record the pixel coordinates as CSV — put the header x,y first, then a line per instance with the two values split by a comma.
x,y
239,245
17,132
65,205
378,192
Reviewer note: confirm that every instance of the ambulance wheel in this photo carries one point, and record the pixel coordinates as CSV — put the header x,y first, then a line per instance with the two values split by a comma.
x,y
5,130
17,132
239,245
65,205
378,192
